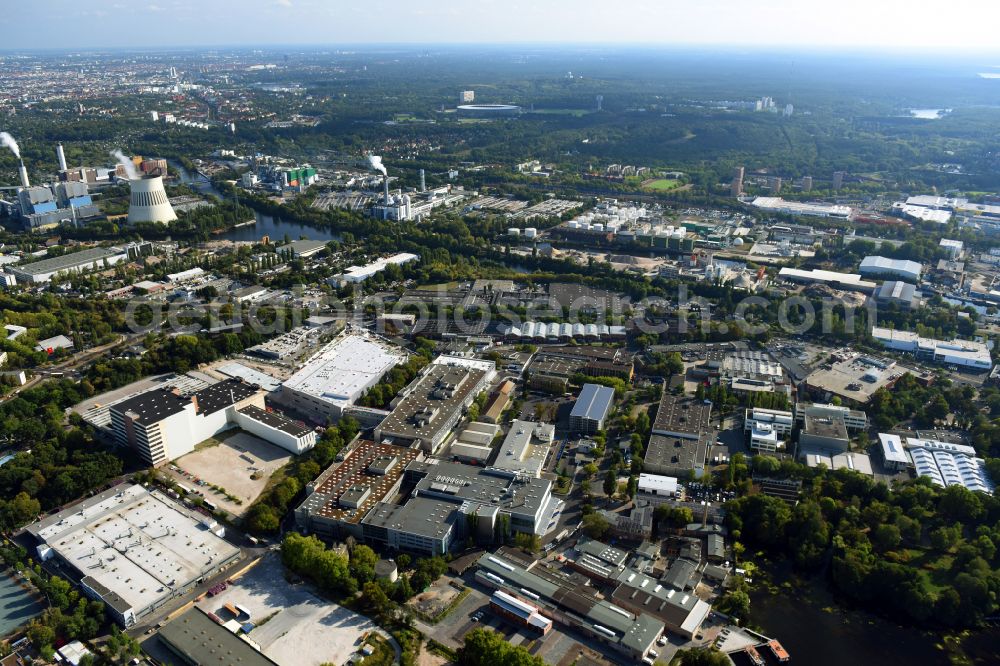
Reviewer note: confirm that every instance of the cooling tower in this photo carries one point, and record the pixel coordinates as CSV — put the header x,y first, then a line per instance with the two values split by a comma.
x,y
149,201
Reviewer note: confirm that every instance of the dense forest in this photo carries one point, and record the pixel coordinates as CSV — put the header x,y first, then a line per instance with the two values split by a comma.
x,y
918,551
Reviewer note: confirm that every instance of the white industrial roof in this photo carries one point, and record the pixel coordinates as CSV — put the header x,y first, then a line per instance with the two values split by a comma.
x,y
820,275
763,415
346,367
657,484
136,543
948,464
359,273
801,208
923,214
877,264
965,352
251,376
525,448
764,431
892,448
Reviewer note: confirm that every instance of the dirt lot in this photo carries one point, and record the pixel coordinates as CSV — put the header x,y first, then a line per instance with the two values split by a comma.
x,y
294,626
436,599
230,465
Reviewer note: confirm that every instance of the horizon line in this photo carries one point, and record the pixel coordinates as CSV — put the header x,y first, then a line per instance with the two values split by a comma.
x,y
847,50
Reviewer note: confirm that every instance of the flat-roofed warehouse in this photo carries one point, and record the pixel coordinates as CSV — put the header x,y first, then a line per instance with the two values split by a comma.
x,y
133,548
849,281
338,374
686,418
44,270
428,409
346,491
198,640
678,441
903,268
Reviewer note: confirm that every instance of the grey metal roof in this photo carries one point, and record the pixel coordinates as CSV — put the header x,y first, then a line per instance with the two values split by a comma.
x,y
68,261
198,639
421,516
276,421
594,402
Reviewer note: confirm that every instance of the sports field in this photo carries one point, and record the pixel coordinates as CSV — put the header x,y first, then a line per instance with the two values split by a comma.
x,y
661,184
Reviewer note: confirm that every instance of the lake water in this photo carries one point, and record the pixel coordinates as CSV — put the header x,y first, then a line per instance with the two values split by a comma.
x,y
17,605
806,619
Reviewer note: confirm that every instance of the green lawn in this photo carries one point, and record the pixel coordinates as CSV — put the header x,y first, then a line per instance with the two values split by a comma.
x,y
383,654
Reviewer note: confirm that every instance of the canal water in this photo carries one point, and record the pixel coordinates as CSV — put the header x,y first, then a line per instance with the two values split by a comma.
x,y
277,229
805,617
17,605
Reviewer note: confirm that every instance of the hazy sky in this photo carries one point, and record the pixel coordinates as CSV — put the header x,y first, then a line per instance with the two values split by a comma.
x,y
905,24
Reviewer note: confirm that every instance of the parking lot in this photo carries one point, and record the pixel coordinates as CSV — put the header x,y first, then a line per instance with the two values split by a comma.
x,y
241,464
294,626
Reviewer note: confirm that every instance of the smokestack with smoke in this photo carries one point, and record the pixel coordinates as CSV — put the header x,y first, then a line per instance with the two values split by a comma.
x,y
375,164
8,142
130,170
22,171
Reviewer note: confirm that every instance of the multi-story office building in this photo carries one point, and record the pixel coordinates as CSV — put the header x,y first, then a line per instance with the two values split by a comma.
x,y
163,425
426,412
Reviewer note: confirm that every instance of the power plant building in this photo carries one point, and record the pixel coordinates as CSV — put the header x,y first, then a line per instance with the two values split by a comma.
x,y
149,202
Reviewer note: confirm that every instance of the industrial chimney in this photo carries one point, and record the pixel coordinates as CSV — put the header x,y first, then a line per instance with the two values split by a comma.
x,y
149,202
61,156
423,181
23,172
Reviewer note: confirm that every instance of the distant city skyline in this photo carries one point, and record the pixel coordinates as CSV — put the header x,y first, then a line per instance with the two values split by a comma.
x,y
965,25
